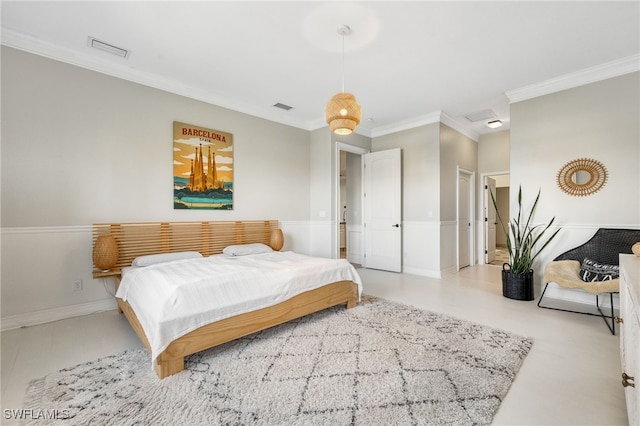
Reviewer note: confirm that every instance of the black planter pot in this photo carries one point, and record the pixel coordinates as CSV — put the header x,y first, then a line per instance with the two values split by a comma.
x,y
517,286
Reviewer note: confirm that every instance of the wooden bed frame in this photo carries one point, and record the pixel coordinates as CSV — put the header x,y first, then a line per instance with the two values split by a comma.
x,y
137,239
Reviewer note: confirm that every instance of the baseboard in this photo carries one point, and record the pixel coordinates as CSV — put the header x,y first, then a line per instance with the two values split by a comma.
x,y
56,314
422,272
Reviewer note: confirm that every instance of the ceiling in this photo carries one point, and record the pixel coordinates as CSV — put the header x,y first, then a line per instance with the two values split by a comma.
x,y
408,63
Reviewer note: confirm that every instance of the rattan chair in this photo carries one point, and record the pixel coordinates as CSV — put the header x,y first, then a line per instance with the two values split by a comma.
x,y
604,247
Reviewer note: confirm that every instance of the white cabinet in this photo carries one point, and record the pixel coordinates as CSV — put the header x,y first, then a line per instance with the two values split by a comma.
x,y
630,333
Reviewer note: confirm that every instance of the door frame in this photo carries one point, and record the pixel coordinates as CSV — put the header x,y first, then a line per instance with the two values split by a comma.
x,y
472,185
482,246
341,146
487,225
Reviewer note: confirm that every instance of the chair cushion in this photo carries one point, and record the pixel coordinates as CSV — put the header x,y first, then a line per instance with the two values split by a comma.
x,y
566,273
590,271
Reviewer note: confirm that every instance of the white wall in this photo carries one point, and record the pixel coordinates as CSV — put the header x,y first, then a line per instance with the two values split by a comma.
x,y
599,121
79,147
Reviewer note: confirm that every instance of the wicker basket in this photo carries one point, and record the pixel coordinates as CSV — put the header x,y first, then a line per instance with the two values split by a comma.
x,y
517,286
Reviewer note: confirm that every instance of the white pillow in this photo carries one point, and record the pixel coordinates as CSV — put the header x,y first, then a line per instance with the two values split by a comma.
x,y
152,259
244,249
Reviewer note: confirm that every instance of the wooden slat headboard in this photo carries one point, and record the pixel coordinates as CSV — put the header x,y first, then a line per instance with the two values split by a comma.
x,y
208,237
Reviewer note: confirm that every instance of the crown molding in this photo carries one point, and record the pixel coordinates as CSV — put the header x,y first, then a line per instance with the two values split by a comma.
x,y
119,68
568,81
433,117
459,127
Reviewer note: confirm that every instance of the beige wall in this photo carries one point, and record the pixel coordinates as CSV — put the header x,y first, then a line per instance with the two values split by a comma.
x,y
493,152
600,121
502,200
456,150
458,154
80,147
431,155
420,170
420,196
493,157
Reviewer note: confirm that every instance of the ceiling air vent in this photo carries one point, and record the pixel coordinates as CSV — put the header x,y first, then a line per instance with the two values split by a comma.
x,y
106,47
485,114
283,106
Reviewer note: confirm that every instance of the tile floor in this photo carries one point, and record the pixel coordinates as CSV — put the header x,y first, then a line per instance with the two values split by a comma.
x,y
570,377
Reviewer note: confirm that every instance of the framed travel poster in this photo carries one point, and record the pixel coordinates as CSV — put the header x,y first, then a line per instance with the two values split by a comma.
x,y
202,168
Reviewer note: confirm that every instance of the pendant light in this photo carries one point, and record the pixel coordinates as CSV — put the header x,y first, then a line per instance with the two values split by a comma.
x,y
343,111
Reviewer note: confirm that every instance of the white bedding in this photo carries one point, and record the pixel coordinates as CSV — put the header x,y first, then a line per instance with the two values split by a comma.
x,y
171,299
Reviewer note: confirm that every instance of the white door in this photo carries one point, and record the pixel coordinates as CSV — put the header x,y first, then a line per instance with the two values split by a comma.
x,y
490,220
464,219
383,210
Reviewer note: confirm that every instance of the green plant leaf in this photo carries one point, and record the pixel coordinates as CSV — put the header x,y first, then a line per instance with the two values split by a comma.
x,y
522,241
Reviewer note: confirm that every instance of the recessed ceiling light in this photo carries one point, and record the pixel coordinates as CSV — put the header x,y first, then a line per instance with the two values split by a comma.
x,y
494,124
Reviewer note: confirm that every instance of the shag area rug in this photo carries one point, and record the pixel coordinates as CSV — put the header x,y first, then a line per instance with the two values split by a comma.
x,y
379,363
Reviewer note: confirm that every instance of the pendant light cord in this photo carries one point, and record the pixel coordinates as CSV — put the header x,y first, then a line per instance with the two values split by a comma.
x,y
342,63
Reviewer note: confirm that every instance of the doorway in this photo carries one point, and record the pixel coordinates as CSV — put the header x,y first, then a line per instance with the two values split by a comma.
x,y
494,247
464,229
348,202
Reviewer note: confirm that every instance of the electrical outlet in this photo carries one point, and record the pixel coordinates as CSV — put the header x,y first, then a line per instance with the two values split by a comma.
x,y
77,286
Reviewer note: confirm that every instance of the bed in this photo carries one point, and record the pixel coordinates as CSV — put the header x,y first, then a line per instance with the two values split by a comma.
x,y
173,323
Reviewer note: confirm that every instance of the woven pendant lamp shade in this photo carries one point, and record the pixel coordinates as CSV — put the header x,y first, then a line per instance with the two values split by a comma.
x,y
277,239
343,113
105,252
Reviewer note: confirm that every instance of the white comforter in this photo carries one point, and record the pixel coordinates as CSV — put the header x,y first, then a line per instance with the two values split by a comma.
x,y
171,299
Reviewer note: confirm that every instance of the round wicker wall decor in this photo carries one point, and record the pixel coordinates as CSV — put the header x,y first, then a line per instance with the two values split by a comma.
x,y
581,177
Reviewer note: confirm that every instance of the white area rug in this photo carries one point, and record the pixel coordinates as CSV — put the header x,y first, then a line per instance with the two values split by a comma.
x,y
379,363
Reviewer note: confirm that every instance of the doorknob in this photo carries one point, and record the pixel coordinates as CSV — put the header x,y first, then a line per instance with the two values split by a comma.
x,y
396,225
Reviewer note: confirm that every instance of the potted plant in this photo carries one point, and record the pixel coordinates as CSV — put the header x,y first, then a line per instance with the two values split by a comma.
x,y
524,242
